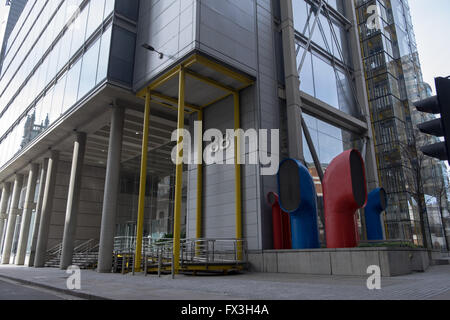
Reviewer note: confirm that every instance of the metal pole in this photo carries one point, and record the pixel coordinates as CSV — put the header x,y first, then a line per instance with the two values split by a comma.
x,y
237,169
143,181
316,160
159,261
199,176
179,173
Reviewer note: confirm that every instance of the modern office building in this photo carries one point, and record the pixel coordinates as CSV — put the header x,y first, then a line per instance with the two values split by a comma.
x,y
91,93
14,10
394,79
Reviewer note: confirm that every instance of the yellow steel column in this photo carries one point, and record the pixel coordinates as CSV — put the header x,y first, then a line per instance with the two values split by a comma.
x,y
143,181
179,175
199,177
198,233
237,157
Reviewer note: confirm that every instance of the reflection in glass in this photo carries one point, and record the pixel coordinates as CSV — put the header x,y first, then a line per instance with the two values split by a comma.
x,y
89,66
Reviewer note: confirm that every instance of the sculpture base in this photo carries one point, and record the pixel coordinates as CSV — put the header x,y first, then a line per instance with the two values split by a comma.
x,y
348,262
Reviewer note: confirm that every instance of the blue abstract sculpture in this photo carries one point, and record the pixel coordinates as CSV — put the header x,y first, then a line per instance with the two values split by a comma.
x,y
376,204
297,194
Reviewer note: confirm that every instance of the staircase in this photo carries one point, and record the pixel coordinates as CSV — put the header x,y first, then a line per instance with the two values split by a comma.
x,y
85,255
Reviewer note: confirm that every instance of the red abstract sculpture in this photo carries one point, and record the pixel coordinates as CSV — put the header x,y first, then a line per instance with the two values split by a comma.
x,y
281,224
345,191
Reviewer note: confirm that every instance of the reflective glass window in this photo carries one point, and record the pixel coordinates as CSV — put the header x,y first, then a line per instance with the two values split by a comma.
x,y
71,91
103,61
88,69
325,82
96,8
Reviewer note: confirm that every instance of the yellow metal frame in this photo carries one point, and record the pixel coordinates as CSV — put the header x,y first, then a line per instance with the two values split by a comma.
x,y
142,184
198,232
182,71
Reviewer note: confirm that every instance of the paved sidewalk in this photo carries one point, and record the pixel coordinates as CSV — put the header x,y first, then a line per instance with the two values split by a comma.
x,y
433,284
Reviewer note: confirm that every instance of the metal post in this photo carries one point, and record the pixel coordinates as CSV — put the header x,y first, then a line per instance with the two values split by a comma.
x,y
237,169
47,206
26,220
173,267
73,197
112,184
316,160
145,264
179,174
199,180
159,262
143,181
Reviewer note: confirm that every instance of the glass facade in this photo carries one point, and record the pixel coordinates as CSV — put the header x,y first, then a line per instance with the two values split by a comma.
x,y
326,73
394,81
56,54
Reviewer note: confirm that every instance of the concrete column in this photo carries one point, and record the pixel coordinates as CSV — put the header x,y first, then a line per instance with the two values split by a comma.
x,y
26,215
47,207
292,82
73,200
112,183
37,220
3,208
12,215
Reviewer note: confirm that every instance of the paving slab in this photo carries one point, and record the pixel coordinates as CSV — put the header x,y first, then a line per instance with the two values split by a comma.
x,y
433,284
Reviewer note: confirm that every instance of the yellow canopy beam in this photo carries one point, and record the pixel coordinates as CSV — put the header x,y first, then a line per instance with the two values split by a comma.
x,y
210,81
175,100
224,70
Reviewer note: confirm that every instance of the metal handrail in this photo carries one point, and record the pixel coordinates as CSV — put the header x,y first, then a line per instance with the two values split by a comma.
x,y
86,246
205,251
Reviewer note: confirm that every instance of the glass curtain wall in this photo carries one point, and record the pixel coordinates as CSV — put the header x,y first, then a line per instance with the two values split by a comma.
x,y
159,200
57,53
325,73
394,81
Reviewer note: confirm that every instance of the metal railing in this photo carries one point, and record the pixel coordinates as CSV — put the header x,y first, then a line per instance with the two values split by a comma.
x,y
159,252
81,247
124,244
87,247
387,243
213,251
54,252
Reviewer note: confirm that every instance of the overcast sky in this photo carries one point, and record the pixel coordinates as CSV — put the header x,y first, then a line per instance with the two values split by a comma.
x,y
431,20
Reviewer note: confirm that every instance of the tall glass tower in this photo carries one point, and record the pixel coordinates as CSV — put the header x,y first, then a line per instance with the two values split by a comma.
x,y
415,184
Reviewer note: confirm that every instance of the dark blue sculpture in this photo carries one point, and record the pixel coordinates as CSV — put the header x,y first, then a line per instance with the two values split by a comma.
x,y
376,204
297,194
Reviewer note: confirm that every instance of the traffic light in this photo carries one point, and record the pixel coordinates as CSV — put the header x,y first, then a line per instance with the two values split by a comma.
x,y
439,104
